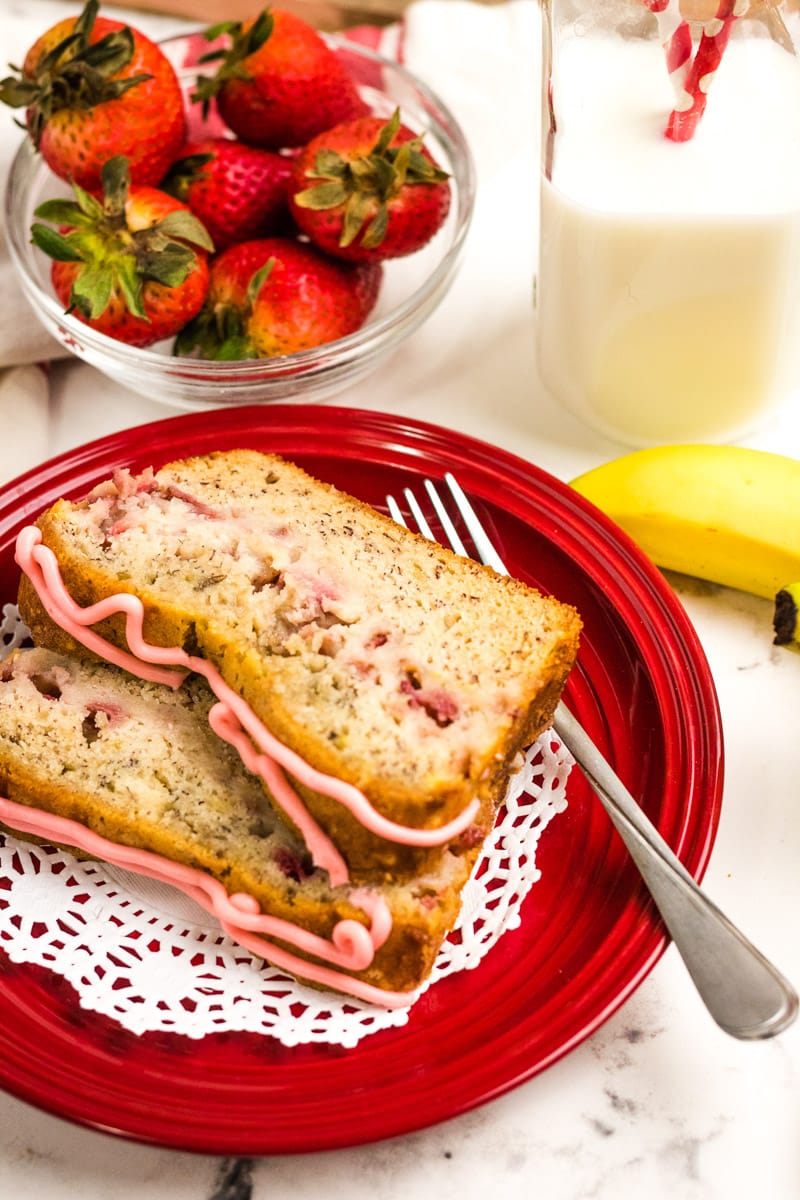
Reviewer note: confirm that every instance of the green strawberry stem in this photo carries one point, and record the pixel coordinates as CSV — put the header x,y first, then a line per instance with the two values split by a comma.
x,y
366,184
219,331
183,173
74,74
114,257
244,42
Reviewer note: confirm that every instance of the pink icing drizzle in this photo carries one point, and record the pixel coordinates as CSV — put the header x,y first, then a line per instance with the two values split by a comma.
x,y
352,945
233,719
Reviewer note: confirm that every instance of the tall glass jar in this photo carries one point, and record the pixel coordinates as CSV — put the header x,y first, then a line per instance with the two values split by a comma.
x,y
668,293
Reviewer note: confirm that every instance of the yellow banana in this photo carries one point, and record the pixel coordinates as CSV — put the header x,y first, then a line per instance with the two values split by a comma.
x,y
723,513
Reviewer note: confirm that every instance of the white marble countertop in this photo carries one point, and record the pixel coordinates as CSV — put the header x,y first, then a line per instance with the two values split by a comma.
x,y
659,1102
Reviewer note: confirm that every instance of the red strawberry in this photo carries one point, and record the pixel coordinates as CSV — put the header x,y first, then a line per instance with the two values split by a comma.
x,y
237,191
133,267
279,83
375,192
95,88
276,296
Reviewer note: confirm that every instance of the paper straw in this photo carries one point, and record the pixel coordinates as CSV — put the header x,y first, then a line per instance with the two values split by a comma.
x,y
676,38
685,117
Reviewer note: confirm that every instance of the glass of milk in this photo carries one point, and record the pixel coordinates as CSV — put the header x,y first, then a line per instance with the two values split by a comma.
x,y
668,293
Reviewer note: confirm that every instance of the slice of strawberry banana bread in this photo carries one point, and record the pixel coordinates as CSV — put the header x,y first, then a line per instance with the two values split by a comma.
x,y
137,765
379,658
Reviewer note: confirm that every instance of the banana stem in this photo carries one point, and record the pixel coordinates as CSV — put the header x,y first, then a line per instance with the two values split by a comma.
x,y
784,620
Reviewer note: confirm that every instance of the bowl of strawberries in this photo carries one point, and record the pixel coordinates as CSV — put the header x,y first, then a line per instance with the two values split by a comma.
x,y
256,211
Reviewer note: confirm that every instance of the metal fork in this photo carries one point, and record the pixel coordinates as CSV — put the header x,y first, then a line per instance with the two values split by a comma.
x,y
745,994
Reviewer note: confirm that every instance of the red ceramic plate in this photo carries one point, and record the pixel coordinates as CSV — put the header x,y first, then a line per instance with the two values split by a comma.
x,y
589,933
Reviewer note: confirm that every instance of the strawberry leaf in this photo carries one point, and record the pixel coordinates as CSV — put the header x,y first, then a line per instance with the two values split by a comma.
x,y
328,164
322,196
376,230
18,93
116,180
130,284
374,174
91,291
60,54
54,244
387,133
400,163
90,208
422,170
216,31
185,225
244,42
170,265
84,23
111,53
233,349
258,280
184,172
62,212
216,333
113,88
355,214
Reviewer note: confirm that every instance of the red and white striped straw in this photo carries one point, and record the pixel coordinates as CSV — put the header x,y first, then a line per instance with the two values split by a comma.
x,y
676,38
685,117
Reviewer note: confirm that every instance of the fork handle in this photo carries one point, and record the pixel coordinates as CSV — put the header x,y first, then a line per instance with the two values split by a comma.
x,y
745,994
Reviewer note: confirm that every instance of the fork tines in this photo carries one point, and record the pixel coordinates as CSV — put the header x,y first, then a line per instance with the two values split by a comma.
x,y
484,550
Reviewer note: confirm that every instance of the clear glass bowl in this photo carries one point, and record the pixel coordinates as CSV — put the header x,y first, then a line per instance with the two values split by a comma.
x,y
411,290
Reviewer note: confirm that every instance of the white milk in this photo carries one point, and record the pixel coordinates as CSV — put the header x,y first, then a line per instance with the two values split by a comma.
x,y
669,277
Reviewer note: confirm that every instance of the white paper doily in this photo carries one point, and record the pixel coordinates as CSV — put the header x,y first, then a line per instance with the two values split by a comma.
x,y
145,955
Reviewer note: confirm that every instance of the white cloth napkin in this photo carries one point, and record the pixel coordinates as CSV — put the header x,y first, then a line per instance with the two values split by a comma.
x,y
24,419
484,63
